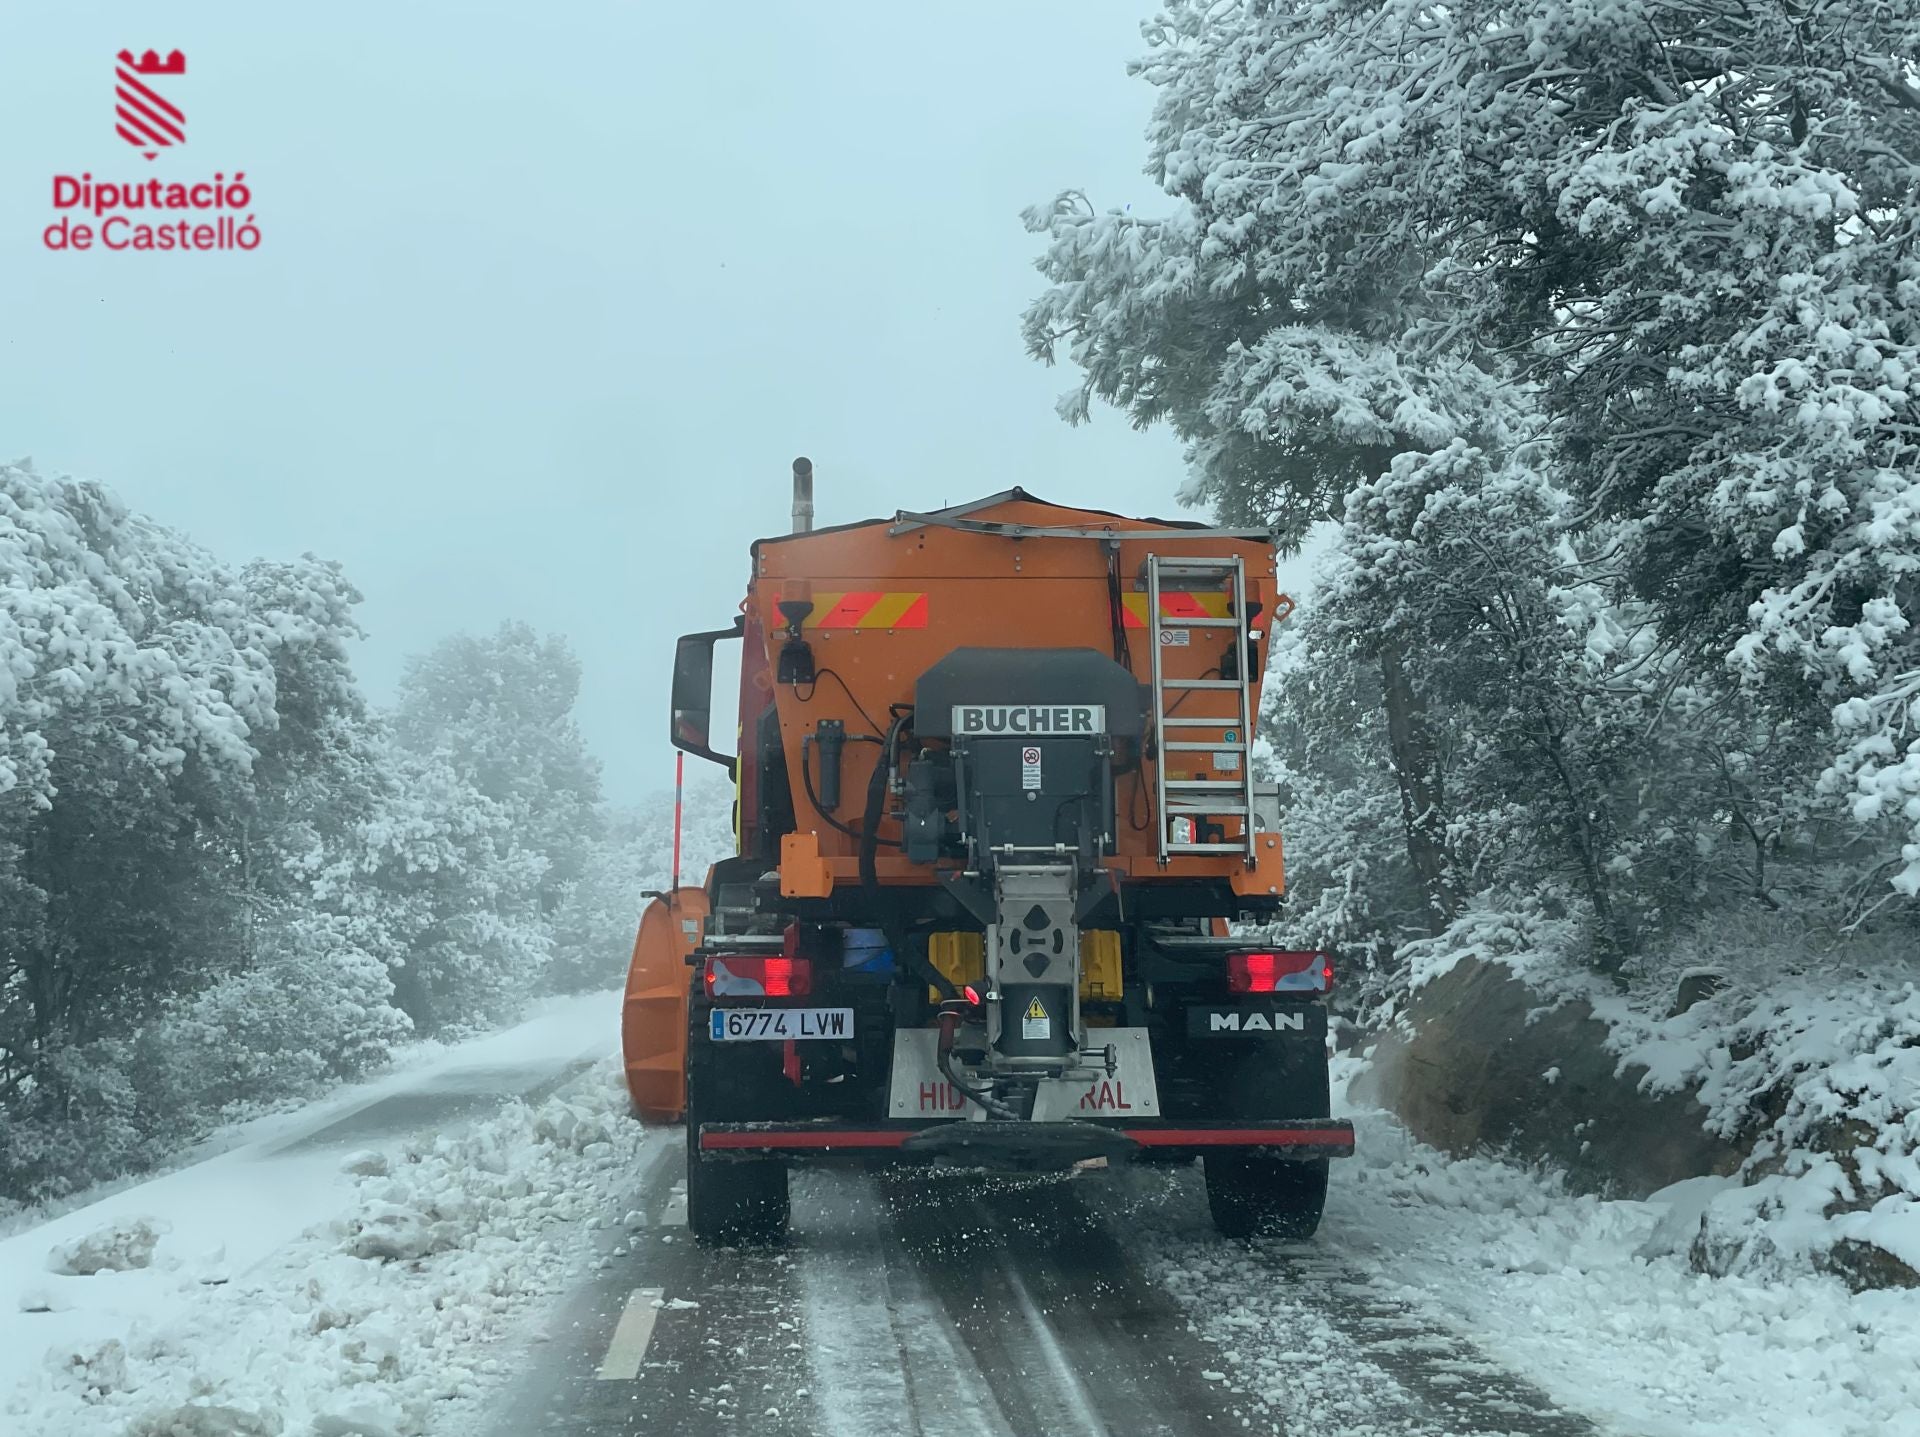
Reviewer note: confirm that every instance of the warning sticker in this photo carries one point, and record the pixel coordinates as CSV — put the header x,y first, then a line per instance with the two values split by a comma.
x,y
1175,638
1228,762
1030,766
1036,1026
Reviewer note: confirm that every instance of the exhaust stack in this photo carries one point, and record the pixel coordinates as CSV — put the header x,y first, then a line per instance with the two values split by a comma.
x,y
803,496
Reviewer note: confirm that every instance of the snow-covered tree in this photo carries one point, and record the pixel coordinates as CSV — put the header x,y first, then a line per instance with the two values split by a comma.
x,y
499,710
1653,265
223,880
446,890
171,743
598,917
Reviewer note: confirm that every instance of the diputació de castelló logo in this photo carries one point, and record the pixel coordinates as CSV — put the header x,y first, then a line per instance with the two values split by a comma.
x,y
152,213
145,118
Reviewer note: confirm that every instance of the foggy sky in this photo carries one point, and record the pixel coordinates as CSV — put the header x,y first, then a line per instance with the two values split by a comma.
x,y
549,296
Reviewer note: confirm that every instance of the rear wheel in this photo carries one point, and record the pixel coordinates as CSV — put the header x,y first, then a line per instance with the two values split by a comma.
x,y
729,1201
1250,1193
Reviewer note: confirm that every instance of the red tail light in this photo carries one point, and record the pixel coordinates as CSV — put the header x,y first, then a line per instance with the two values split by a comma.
x,y
758,977
1279,972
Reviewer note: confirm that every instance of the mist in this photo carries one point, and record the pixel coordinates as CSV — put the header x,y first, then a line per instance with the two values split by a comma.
x,y
547,300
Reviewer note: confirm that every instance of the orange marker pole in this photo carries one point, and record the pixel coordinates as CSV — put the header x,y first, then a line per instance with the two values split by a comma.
x,y
679,791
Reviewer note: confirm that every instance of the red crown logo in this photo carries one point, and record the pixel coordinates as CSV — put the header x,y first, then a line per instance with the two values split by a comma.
x,y
143,117
151,64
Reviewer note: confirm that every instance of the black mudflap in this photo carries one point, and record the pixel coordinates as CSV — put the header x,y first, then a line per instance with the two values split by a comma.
x,y
732,1202
1262,1060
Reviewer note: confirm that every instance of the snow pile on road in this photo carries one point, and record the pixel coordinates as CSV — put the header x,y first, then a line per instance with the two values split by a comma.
x,y
371,1323
1586,1298
118,1247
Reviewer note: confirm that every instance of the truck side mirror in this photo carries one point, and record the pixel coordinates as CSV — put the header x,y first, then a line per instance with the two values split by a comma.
x,y
693,694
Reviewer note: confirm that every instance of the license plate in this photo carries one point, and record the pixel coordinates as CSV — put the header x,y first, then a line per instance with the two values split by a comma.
x,y
775,1025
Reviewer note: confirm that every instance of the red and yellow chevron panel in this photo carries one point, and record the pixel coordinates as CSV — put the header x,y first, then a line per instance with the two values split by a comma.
x,y
1176,604
868,609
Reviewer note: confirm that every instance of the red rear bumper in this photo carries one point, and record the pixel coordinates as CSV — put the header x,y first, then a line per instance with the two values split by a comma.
x,y
958,1141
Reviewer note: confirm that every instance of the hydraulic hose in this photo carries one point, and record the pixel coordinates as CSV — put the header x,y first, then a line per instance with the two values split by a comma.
x,y
949,1026
903,953
876,806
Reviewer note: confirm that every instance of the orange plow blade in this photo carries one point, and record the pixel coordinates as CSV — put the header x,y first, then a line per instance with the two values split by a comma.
x,y
653,1020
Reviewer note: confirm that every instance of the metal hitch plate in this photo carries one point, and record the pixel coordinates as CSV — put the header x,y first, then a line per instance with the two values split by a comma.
x,y
919,1091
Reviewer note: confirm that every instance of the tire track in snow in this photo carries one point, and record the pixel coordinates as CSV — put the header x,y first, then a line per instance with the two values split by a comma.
x,y
1448,1373
1067,1387
955,1305
882,1351
1303,1332
1069,1336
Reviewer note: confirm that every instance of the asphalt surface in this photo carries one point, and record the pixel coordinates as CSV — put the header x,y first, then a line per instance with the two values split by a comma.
x,y
950,1305
439,1102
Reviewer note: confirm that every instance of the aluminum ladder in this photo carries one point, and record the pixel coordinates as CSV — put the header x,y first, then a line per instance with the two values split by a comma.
x,y
1201,798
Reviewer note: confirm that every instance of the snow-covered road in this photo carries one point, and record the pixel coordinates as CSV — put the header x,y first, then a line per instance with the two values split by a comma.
x,y
1443,1298
417,1259
236,1227
947,1307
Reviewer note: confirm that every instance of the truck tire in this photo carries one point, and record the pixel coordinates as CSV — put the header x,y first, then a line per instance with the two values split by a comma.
x,y
1249,1193
730,1202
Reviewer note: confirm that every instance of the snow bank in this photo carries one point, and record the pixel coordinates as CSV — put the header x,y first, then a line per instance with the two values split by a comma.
x,y
1810,1080
374,1321
1821,1076
1432,1265
1487,1062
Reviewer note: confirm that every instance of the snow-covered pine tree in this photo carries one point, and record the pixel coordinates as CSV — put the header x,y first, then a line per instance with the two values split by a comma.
x,y
171,761
498,819
499,709
223,880
598,917
1659,256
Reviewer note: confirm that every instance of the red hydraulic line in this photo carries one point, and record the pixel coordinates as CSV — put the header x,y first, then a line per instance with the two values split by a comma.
x,y
845,1138
1241,1137
1331,1136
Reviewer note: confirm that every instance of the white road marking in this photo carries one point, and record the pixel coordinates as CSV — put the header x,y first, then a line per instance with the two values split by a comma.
x,y
675,1213
628,1349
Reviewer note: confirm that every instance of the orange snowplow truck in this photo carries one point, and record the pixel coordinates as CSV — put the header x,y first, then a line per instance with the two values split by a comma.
x,y
995,811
